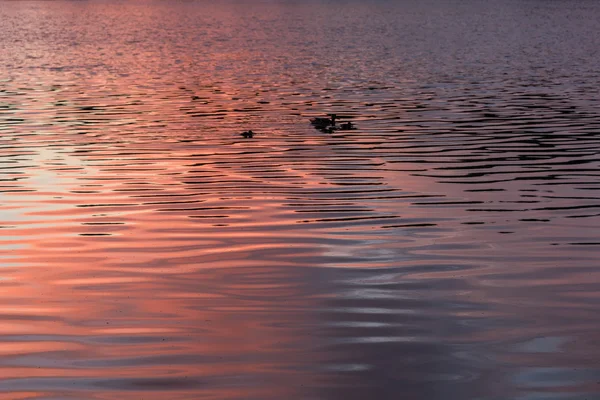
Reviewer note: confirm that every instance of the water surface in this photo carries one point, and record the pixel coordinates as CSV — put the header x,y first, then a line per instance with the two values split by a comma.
x,y
445,249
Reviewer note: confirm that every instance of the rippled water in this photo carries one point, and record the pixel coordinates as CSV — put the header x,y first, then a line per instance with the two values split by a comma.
x,y
445,249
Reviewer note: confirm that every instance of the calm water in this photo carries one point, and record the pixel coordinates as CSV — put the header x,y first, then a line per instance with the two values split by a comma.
x,y
446,249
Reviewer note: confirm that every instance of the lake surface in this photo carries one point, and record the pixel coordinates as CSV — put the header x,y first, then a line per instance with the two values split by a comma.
x,y
448,248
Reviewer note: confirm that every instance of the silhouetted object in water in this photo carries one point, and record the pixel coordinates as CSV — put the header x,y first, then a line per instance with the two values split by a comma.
x,y
321,123
347,126
327,125
195,97
247,134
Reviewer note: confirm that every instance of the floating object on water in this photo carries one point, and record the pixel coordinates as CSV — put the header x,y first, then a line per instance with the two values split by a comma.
x,y
320,122
195,97
347,126
247,134
327,125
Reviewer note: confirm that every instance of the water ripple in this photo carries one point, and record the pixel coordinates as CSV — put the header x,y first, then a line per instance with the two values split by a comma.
x,y
446,248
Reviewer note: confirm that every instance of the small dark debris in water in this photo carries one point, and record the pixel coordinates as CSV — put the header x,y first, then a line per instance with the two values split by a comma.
x,y
247,134
87,108
195,97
